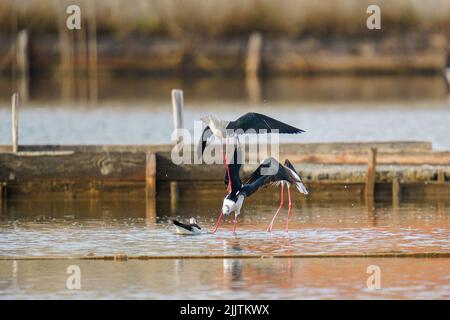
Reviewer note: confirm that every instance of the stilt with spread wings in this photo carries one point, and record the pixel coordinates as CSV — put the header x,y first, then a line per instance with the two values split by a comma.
x,y
251,122
269,172
279,175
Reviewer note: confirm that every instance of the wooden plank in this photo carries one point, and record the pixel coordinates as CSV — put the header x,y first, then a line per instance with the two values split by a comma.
x,y
285,148
371,173
400,158
104,166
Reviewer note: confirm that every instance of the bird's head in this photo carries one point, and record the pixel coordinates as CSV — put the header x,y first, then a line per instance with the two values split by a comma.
x,y
232,202
192,221
229,205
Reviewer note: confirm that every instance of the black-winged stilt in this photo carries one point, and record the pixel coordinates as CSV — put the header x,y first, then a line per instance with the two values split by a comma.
x,y
249,121
191,228
233,200
285,175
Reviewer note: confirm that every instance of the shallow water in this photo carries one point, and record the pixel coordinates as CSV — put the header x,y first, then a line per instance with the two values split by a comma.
x,y
317,228
311,278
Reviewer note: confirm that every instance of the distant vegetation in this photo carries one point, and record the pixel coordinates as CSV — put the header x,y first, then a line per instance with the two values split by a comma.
x,y
225,18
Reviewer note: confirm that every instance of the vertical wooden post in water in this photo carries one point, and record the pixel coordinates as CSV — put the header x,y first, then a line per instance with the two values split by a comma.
x,y
92,52
15,121
252,67
177,110
371,172
253,61
22,64
150,174
396,192
66,54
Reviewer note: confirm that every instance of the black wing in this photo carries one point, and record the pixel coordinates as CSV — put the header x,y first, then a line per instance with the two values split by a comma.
x,y
183,225
271,169
249,189
235,166
257,122
288,164
204,138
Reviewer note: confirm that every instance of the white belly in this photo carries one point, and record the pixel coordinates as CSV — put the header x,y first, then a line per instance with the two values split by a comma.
x,y
184,231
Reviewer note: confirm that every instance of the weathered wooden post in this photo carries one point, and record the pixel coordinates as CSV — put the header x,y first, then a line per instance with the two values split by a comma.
x,y
253,61
92,52
396,191
15,121
177,110
371,172
22,64
440,176
252,67
150,174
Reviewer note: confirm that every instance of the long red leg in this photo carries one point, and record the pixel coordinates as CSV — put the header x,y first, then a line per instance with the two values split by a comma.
x,y
218,222
289,209
279,208
235,223
226,164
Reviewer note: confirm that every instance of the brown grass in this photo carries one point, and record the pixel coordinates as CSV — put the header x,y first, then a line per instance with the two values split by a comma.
x,y
223,18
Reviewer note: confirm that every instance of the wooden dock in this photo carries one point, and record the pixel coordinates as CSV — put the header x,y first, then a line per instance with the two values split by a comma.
x,y
331,170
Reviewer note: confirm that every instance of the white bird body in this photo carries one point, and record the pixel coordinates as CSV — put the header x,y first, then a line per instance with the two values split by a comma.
x,y
217,126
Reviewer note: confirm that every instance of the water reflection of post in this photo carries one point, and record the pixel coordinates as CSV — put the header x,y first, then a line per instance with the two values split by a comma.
x,y
396,192
92,53
232,273
371,212
66,55
174,196
150,211
15,273
150,188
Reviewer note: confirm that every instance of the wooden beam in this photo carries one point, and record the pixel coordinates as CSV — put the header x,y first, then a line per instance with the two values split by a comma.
x,y
293,149
400,158
15,122
371,173
75,167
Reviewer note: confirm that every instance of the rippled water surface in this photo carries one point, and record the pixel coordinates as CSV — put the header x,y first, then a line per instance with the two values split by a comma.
x,y
57,228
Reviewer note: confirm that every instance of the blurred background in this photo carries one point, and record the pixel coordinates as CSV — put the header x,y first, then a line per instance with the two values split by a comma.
x,y
313,64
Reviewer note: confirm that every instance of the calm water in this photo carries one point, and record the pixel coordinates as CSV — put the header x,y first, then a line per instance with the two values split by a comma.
x,y
64,229
330,109
312,278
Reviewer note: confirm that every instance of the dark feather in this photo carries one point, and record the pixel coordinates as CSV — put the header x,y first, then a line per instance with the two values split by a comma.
x,y
204,138
234,166
257,122
280,175
183,225
249,189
